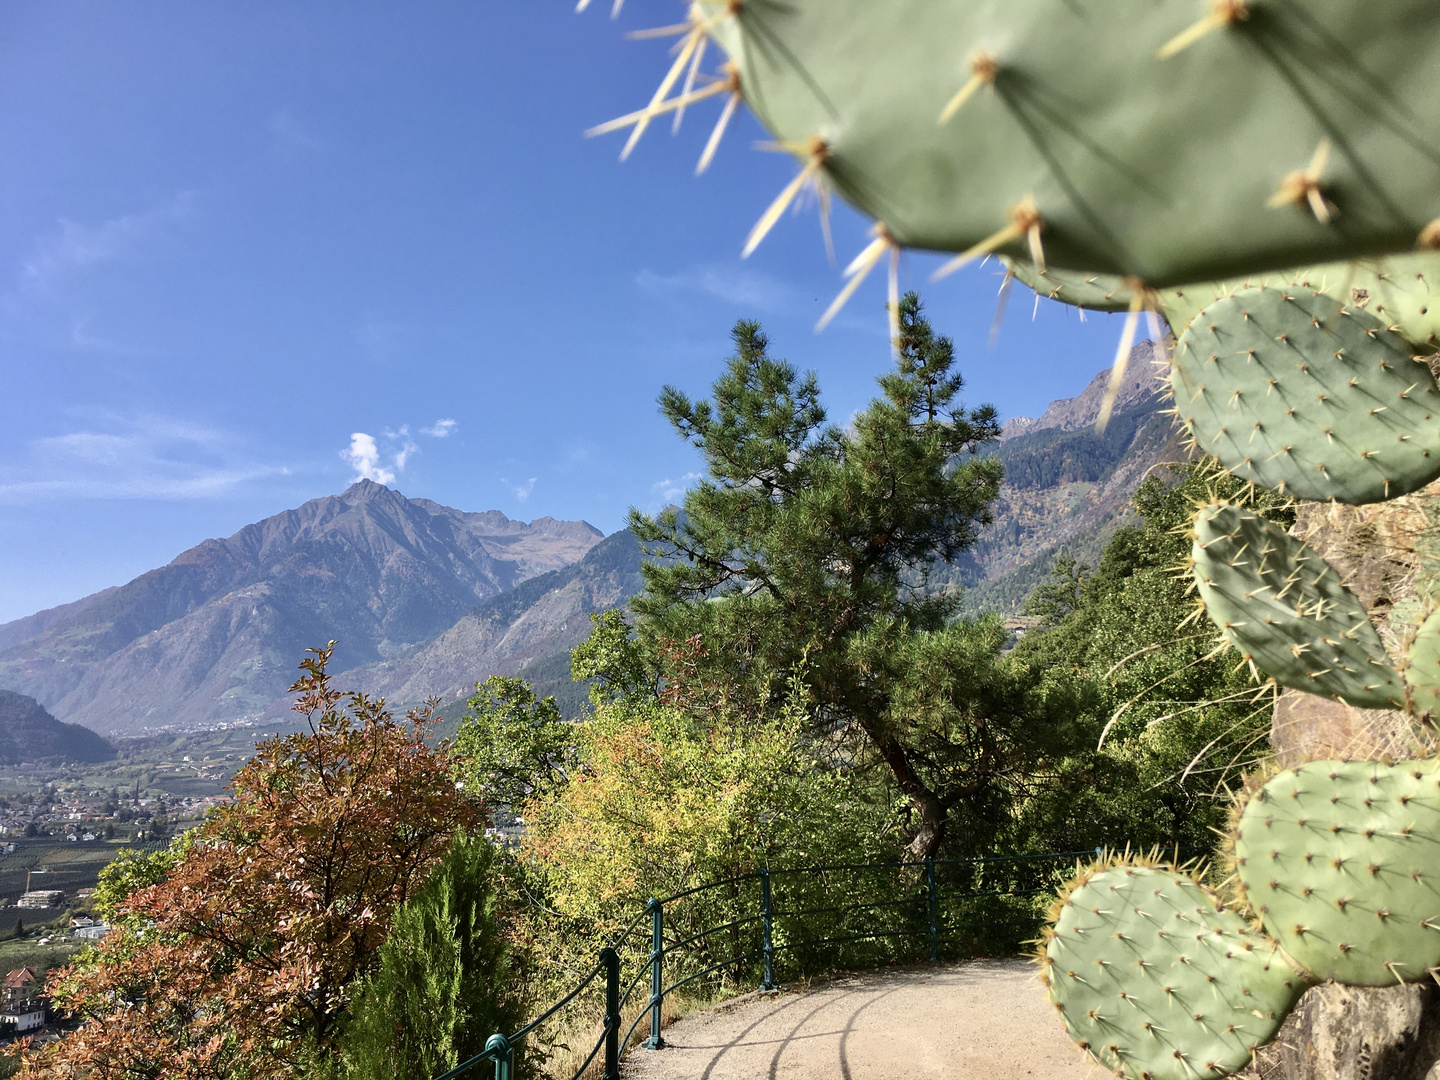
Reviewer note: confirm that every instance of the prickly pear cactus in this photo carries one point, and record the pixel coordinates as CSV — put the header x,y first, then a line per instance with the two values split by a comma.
x,y
1285,609
1266,143
1294,391
1156,980
1402,292
1338,860
1422,674
1097,292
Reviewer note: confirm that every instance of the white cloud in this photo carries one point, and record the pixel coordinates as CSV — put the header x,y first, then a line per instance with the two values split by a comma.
x,y
739,286
441,429
670,490
135,457
382,459
364,457
79,247
520,491
406,445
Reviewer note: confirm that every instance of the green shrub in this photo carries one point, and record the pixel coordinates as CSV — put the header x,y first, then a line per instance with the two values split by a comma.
x,y
444,984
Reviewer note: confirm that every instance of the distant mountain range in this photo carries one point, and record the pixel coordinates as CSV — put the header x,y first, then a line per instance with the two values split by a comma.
x,y
216,634
427,600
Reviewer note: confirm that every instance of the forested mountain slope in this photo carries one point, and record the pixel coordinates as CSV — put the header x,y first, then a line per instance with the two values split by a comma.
x,y
30,734
1066,485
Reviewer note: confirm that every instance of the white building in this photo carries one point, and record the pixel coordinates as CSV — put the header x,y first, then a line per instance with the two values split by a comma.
x,y
22,1007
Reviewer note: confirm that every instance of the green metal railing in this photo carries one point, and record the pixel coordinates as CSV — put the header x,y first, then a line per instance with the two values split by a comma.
x,y
1002,891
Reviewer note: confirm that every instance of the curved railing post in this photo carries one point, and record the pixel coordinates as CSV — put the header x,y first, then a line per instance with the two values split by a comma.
x,y
504,1055
934,910
657,977
767,944
610,960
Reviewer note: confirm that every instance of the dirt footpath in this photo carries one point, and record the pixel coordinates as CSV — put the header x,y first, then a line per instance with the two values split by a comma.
x,y
979,1020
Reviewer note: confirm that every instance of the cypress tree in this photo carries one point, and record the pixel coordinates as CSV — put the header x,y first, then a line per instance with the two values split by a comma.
x,y
443,985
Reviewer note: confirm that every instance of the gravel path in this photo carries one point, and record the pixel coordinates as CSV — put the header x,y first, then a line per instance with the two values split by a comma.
x,y
978,1020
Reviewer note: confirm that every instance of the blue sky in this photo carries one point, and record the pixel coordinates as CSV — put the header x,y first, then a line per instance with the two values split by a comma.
x,y
252,250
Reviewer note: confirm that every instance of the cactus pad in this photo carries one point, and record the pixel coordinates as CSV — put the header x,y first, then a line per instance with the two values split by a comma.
x,y
1340,861
1292,391
1286,610
1403,292
1209,164
1156,980
1422,676
1098,292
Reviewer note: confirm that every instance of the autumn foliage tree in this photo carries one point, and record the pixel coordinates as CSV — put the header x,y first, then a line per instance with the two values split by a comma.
x,y
242,961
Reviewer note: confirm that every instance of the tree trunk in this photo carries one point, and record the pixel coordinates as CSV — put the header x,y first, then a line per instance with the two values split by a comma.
x,y
931,808
1386,555
926,844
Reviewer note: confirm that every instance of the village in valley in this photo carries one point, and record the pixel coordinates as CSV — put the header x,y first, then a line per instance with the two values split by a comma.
x,y
60,825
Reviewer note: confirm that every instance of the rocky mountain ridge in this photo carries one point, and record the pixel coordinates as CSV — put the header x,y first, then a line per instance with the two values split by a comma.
x,y
1145,372
214,636
1067,486
529,630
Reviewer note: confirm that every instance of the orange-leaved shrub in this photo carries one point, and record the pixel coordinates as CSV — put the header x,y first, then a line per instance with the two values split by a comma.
x,y
242,961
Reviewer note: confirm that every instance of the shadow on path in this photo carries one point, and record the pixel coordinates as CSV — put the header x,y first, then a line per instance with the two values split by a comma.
x,y
978,1020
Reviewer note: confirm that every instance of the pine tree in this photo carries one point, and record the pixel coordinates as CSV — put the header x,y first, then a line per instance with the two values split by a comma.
x,y
807,548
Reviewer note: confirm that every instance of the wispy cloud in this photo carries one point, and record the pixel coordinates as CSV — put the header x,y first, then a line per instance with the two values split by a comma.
x,y
441,429
738,286
520,491
141,457
82,338
76,246
670,490
405,447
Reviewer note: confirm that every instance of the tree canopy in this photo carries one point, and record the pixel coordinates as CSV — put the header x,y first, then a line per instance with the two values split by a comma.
x,y
1164,721
806,547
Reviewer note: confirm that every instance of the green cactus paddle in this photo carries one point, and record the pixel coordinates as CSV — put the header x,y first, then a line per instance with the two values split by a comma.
x,y
1283,138
1156,980
1295,392
1286,610
1341,860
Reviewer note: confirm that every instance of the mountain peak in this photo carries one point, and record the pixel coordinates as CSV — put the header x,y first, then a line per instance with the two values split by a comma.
x,y
364,489
214,634
1144,378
